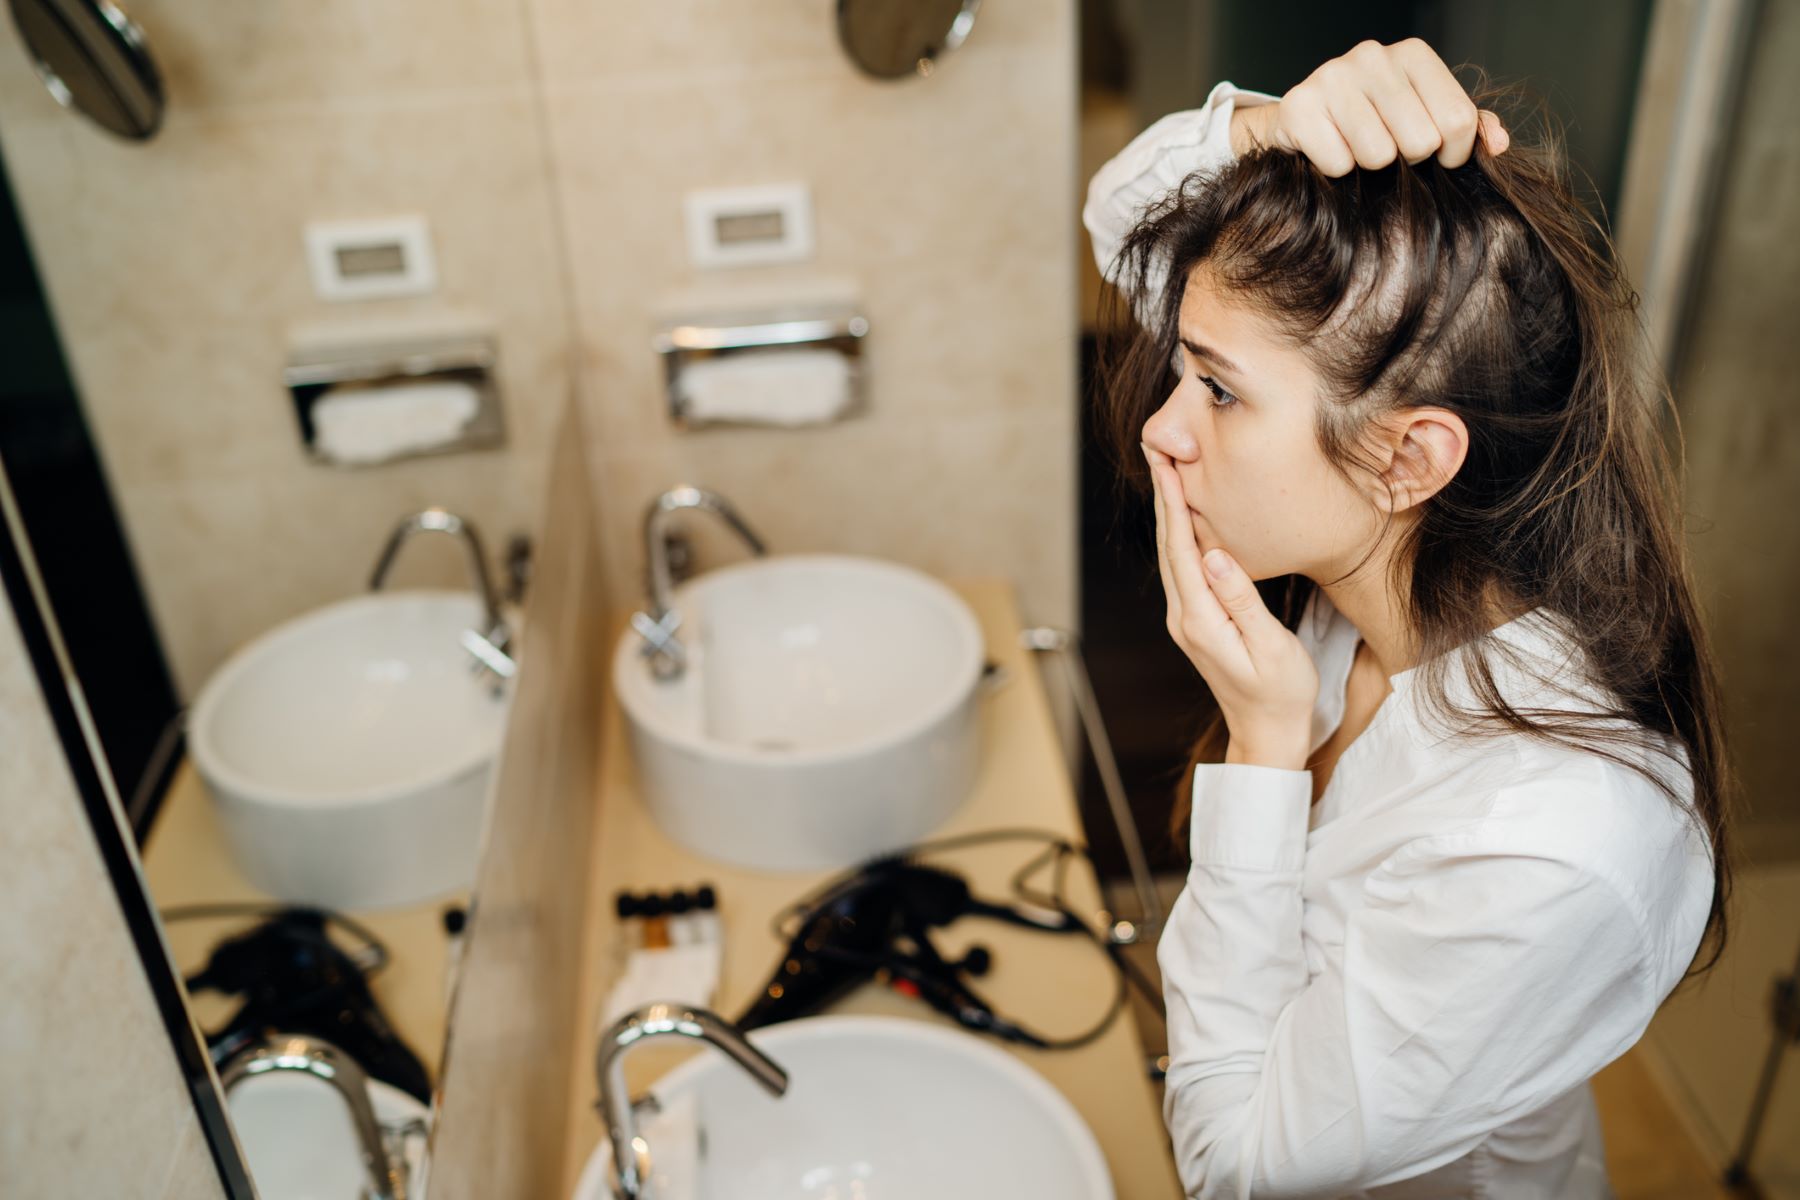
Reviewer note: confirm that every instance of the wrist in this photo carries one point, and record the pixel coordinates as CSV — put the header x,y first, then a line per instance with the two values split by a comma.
x,y
1286,754
1249,126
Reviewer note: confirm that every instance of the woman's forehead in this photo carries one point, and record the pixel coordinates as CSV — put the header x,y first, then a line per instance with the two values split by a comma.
x,y
1232,332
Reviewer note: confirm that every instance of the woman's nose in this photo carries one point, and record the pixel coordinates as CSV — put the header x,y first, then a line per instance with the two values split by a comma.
x,y
1164,431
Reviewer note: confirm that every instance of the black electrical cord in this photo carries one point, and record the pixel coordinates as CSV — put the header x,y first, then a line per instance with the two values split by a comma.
x,y
371,956
1057,852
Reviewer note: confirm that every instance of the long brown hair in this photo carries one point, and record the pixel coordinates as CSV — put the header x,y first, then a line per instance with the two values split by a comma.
x,y
1489,290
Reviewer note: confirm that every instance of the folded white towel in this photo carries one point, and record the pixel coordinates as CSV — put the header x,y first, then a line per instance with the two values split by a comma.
x,y
687,974
769,387
372,424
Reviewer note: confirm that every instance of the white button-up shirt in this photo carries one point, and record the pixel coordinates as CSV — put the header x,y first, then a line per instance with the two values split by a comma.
x,y
1403,990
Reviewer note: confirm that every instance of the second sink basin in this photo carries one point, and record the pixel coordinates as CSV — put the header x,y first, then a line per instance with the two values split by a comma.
x,y
348,751
827,712
875,1107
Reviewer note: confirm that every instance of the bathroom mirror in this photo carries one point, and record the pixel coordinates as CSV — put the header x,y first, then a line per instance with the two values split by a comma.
x,y
95,60
891,39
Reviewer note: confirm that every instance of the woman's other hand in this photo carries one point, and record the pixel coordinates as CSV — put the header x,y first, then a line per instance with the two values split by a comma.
x,y
1369,107
1263,678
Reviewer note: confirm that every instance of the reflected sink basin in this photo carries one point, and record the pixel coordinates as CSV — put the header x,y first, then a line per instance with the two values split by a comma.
x,y
876,1107
348,751
299,1142
827,712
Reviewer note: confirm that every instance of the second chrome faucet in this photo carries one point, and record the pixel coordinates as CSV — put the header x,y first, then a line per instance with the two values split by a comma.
x,y
491,644
631,1167
657,623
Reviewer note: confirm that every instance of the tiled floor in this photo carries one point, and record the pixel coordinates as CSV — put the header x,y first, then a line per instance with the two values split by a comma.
x,y
1699,1049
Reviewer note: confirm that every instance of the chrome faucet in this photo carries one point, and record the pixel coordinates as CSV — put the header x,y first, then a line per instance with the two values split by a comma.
x,y
490,645
630,1154
657,623
323,1061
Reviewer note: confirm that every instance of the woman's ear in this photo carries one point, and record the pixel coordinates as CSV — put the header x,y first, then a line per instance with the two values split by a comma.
x,y
1422,448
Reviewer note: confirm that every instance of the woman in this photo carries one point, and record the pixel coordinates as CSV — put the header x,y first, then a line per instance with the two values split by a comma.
x,y
1457,825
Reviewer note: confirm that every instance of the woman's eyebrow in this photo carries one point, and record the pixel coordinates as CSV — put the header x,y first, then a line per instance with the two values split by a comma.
x,y
1210,355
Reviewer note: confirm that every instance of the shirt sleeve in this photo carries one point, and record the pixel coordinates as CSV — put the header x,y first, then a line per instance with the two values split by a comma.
x,y
1476,982
1154,164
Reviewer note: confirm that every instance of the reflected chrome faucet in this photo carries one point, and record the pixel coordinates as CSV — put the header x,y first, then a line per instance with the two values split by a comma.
x,y
490,645
657,623
323,1061
630,1155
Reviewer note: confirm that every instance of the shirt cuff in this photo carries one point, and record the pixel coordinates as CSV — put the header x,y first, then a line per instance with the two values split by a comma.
x,y
1250,816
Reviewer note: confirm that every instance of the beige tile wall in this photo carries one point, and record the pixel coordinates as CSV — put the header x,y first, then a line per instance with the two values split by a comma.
x,y
1737,396
94,1103
946,205
175,271
550,142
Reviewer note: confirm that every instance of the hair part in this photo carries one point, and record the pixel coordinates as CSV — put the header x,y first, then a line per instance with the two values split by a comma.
x,y
1490,291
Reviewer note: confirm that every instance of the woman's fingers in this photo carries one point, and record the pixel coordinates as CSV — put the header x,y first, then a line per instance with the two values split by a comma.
x,y
1237,596
1362,127
1164,568
1407,120
1452,112
1201,616
1312,131
1378,103
1493,133
1197,621
1162,559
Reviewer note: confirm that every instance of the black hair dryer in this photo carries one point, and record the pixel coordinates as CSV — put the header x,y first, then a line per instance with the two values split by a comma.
x,y
293,978
877,919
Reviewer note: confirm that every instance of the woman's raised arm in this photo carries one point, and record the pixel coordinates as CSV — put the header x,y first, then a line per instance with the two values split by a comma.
x,y
1155,163
1364,108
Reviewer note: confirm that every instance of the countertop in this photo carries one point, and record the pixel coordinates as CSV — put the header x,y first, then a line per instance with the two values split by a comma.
x,y
1059,985
187,861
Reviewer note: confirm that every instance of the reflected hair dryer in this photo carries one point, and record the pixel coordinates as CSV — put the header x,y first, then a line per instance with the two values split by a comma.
x,y
876,921
293,978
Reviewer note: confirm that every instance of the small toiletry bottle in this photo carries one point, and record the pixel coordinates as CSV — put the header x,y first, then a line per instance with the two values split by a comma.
x,y
656,924
706,916
456,920
681,920
626,937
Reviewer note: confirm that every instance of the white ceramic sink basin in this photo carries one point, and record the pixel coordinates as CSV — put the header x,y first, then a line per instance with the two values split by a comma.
x,y
876,1108
300,1144
349,750
827,712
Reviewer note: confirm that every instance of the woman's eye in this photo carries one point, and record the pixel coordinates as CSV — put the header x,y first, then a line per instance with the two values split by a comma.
x,y
1221,397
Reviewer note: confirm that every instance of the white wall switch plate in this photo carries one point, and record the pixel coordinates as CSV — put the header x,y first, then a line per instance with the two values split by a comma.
x,y
747,226
359,260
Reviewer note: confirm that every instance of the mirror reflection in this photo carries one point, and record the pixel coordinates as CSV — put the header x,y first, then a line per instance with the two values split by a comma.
x,y
93,59
573,627
891,38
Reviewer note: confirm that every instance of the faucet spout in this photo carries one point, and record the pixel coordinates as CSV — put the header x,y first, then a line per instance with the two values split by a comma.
x,y
323,1061
489,644
657,623
630,1155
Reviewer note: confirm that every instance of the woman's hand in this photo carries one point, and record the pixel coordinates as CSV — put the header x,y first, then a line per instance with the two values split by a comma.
x,y
1261,675
1369,107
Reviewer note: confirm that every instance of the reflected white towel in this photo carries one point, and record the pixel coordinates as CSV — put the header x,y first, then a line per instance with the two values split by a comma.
x,y
373,424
